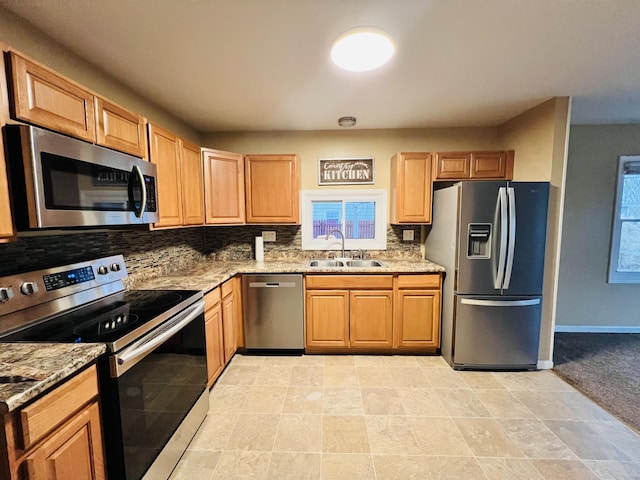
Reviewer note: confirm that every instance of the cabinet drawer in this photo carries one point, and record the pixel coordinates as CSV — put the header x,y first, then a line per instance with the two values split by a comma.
x,y
227,288
349,281
53,409
419,281
212,298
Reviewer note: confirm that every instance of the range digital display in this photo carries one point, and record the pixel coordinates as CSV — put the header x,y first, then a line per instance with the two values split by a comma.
x,y
56,281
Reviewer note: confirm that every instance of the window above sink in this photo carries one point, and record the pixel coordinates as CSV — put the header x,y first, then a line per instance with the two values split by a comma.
x,y
361,215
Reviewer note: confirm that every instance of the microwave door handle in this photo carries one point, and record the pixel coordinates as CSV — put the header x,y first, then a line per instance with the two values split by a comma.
x,y
143,191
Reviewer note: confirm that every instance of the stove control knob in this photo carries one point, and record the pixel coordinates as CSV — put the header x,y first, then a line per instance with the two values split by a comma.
x,y
103,270
29,288
6,293
115,267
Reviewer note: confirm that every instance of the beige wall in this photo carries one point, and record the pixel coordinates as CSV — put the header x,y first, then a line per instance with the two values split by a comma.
x,y
539,137
379,144
585,299
21,36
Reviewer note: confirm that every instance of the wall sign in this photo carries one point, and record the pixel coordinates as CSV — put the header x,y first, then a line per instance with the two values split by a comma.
x,y
345,171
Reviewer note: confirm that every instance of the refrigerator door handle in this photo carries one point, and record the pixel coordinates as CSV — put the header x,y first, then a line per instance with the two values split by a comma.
x,y
501,209
500,303
511,193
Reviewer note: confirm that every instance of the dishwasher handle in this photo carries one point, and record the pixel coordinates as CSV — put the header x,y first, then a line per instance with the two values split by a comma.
x,y
272,284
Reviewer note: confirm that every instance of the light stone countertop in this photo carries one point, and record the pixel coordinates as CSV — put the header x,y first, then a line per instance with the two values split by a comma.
x,y
51,363
208,275
47,363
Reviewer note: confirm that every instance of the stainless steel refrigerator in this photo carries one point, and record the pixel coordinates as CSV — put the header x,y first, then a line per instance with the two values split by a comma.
x,y
490,236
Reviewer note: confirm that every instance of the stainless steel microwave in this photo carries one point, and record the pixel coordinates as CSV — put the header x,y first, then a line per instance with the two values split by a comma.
x,y
59,181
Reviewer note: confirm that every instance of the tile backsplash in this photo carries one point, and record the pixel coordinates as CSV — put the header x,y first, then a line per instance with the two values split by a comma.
x,y
150,254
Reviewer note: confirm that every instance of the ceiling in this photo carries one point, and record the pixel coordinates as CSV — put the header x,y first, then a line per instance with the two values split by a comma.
x,y
236,65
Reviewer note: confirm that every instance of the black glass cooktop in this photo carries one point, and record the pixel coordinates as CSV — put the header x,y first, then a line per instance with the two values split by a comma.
x,y
109,319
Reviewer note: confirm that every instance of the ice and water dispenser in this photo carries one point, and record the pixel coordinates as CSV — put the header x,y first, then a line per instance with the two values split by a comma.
x,y
479,240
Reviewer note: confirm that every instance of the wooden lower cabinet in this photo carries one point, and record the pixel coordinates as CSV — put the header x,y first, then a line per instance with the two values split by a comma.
x,y
356,314
370,314
417,312
222,326
56,437
229,313
74,452
373,313
327,318
214,335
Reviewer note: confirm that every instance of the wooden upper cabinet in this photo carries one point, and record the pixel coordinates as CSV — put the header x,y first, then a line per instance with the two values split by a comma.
x,y
45,98
452,165
120,129
495,165
492,165
6,222
192,184
272,188
411,195
164,151
223,187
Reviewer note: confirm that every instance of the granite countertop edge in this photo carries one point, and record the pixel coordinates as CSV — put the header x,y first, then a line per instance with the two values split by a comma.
x,y
48,363
208,275
53,362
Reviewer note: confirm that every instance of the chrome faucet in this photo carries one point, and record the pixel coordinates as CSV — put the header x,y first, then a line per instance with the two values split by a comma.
x,y
341,235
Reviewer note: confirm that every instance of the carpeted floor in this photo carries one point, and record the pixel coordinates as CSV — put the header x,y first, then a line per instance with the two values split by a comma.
x,y
605,367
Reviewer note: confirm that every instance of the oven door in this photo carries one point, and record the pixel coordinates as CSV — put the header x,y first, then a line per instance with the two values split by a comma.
x,y
154,397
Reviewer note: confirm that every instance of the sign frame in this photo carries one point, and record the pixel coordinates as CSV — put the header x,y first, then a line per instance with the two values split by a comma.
x,y
346,171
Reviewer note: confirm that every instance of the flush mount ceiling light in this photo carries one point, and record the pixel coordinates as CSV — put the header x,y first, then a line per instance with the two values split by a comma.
x,y
347,121
362,49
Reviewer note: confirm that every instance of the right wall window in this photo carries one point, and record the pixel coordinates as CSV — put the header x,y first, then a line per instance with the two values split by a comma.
x,y
624,255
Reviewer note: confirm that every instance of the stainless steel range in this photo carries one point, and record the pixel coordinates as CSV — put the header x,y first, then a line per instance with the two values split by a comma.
x,y
153,378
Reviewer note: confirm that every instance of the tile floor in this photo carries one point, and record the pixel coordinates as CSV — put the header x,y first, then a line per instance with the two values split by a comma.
x,y
402,418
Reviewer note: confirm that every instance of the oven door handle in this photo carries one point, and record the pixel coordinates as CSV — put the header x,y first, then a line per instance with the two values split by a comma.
x,y
123,361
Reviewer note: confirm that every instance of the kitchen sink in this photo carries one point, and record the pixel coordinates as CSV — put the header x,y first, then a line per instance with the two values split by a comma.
x,y
325,263
364,263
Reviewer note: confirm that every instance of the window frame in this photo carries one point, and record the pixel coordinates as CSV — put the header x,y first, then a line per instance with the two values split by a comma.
x,y
379,196
615,276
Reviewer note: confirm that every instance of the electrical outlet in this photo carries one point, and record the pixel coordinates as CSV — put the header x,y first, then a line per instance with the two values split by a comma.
x,y
407,235
269,236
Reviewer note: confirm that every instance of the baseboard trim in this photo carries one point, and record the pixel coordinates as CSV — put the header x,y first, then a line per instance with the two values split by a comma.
x,y
595,329
545,364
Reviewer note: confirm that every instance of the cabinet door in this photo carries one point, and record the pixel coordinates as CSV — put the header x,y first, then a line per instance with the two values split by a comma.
x,y
192,184
452,165
370,319
224,187
73,452
229,326
45,98
411,179
327,318
120,129
215,345
272,188
417,319
6,219
237,297
488,164
164,151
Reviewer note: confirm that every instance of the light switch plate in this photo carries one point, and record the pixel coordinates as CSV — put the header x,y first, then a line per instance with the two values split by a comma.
x,y
408,235
269,236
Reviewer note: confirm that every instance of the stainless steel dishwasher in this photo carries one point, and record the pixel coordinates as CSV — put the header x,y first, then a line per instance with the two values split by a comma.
x,y
273,312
